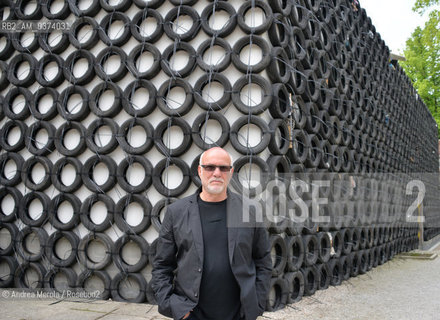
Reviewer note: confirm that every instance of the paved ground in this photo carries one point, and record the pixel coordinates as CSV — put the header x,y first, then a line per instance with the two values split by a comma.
x,y
399,289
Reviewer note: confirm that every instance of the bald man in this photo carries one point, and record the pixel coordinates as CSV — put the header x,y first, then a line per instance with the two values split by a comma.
x,y
206,267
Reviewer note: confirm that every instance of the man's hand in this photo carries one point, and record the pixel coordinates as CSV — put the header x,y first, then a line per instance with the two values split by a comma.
x,y
186,315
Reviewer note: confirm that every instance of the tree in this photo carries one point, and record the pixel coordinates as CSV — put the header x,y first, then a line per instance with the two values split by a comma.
x,y
422,55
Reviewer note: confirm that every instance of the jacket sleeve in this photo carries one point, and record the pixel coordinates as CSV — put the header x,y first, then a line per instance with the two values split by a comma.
x,y
163,266
263,265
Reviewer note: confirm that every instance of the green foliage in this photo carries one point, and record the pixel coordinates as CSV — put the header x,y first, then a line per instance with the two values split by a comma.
x,y
422,63
421,5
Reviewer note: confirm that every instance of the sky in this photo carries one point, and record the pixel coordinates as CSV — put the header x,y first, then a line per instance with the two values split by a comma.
x,y
394,20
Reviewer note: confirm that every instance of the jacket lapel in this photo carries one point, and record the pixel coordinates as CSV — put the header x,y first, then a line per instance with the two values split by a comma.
x,y
233,210
196,225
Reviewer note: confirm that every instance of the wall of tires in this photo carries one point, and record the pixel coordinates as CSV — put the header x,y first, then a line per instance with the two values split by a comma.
x,y
102,127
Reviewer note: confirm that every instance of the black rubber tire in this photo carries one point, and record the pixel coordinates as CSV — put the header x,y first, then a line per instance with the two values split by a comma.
x,y
90,11
141,16
13,232
131,89
39,71
9,100
280,165
69,274
186,105
59,47
24,209
337,244
4,134
173,15
279,145
295,282
76,27
120,209
295,252
324,247
21,246
20,274
60,134
7,280
313,123
19,46
194,172
16,179
56,175
61,14
251,40
354,261
87,206
15,62
207,80
356,238
26,174
311,280
69,65
314,153
4,82
243,121
347,238
124,131
335,272
140,279
87,173
210,11
324,276
298,80
122,172
202,119
155,217
31,141
246,80
83,111
105,24
97,91
54,207
17,196
363,260
8,49
299,44
119,261
166,124
280,30
102,275
298,112
34,106
241,13
102,58
160,168
281,105
311,249
209,44
278,254
169,51
298,153
137,52
82,250
51,253
94,127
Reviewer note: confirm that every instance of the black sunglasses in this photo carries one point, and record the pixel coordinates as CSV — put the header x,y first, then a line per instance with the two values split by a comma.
x,y
211,168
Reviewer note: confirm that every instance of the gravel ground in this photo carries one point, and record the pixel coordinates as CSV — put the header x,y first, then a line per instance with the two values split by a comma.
x,y
399,289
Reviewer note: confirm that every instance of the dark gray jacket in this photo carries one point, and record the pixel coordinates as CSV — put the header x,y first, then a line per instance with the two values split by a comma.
x,y
177,267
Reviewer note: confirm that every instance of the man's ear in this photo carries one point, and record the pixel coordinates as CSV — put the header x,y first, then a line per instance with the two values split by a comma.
x,y
199,171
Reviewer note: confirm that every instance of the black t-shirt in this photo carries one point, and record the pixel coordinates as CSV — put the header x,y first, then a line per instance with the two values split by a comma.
x,y
219,296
